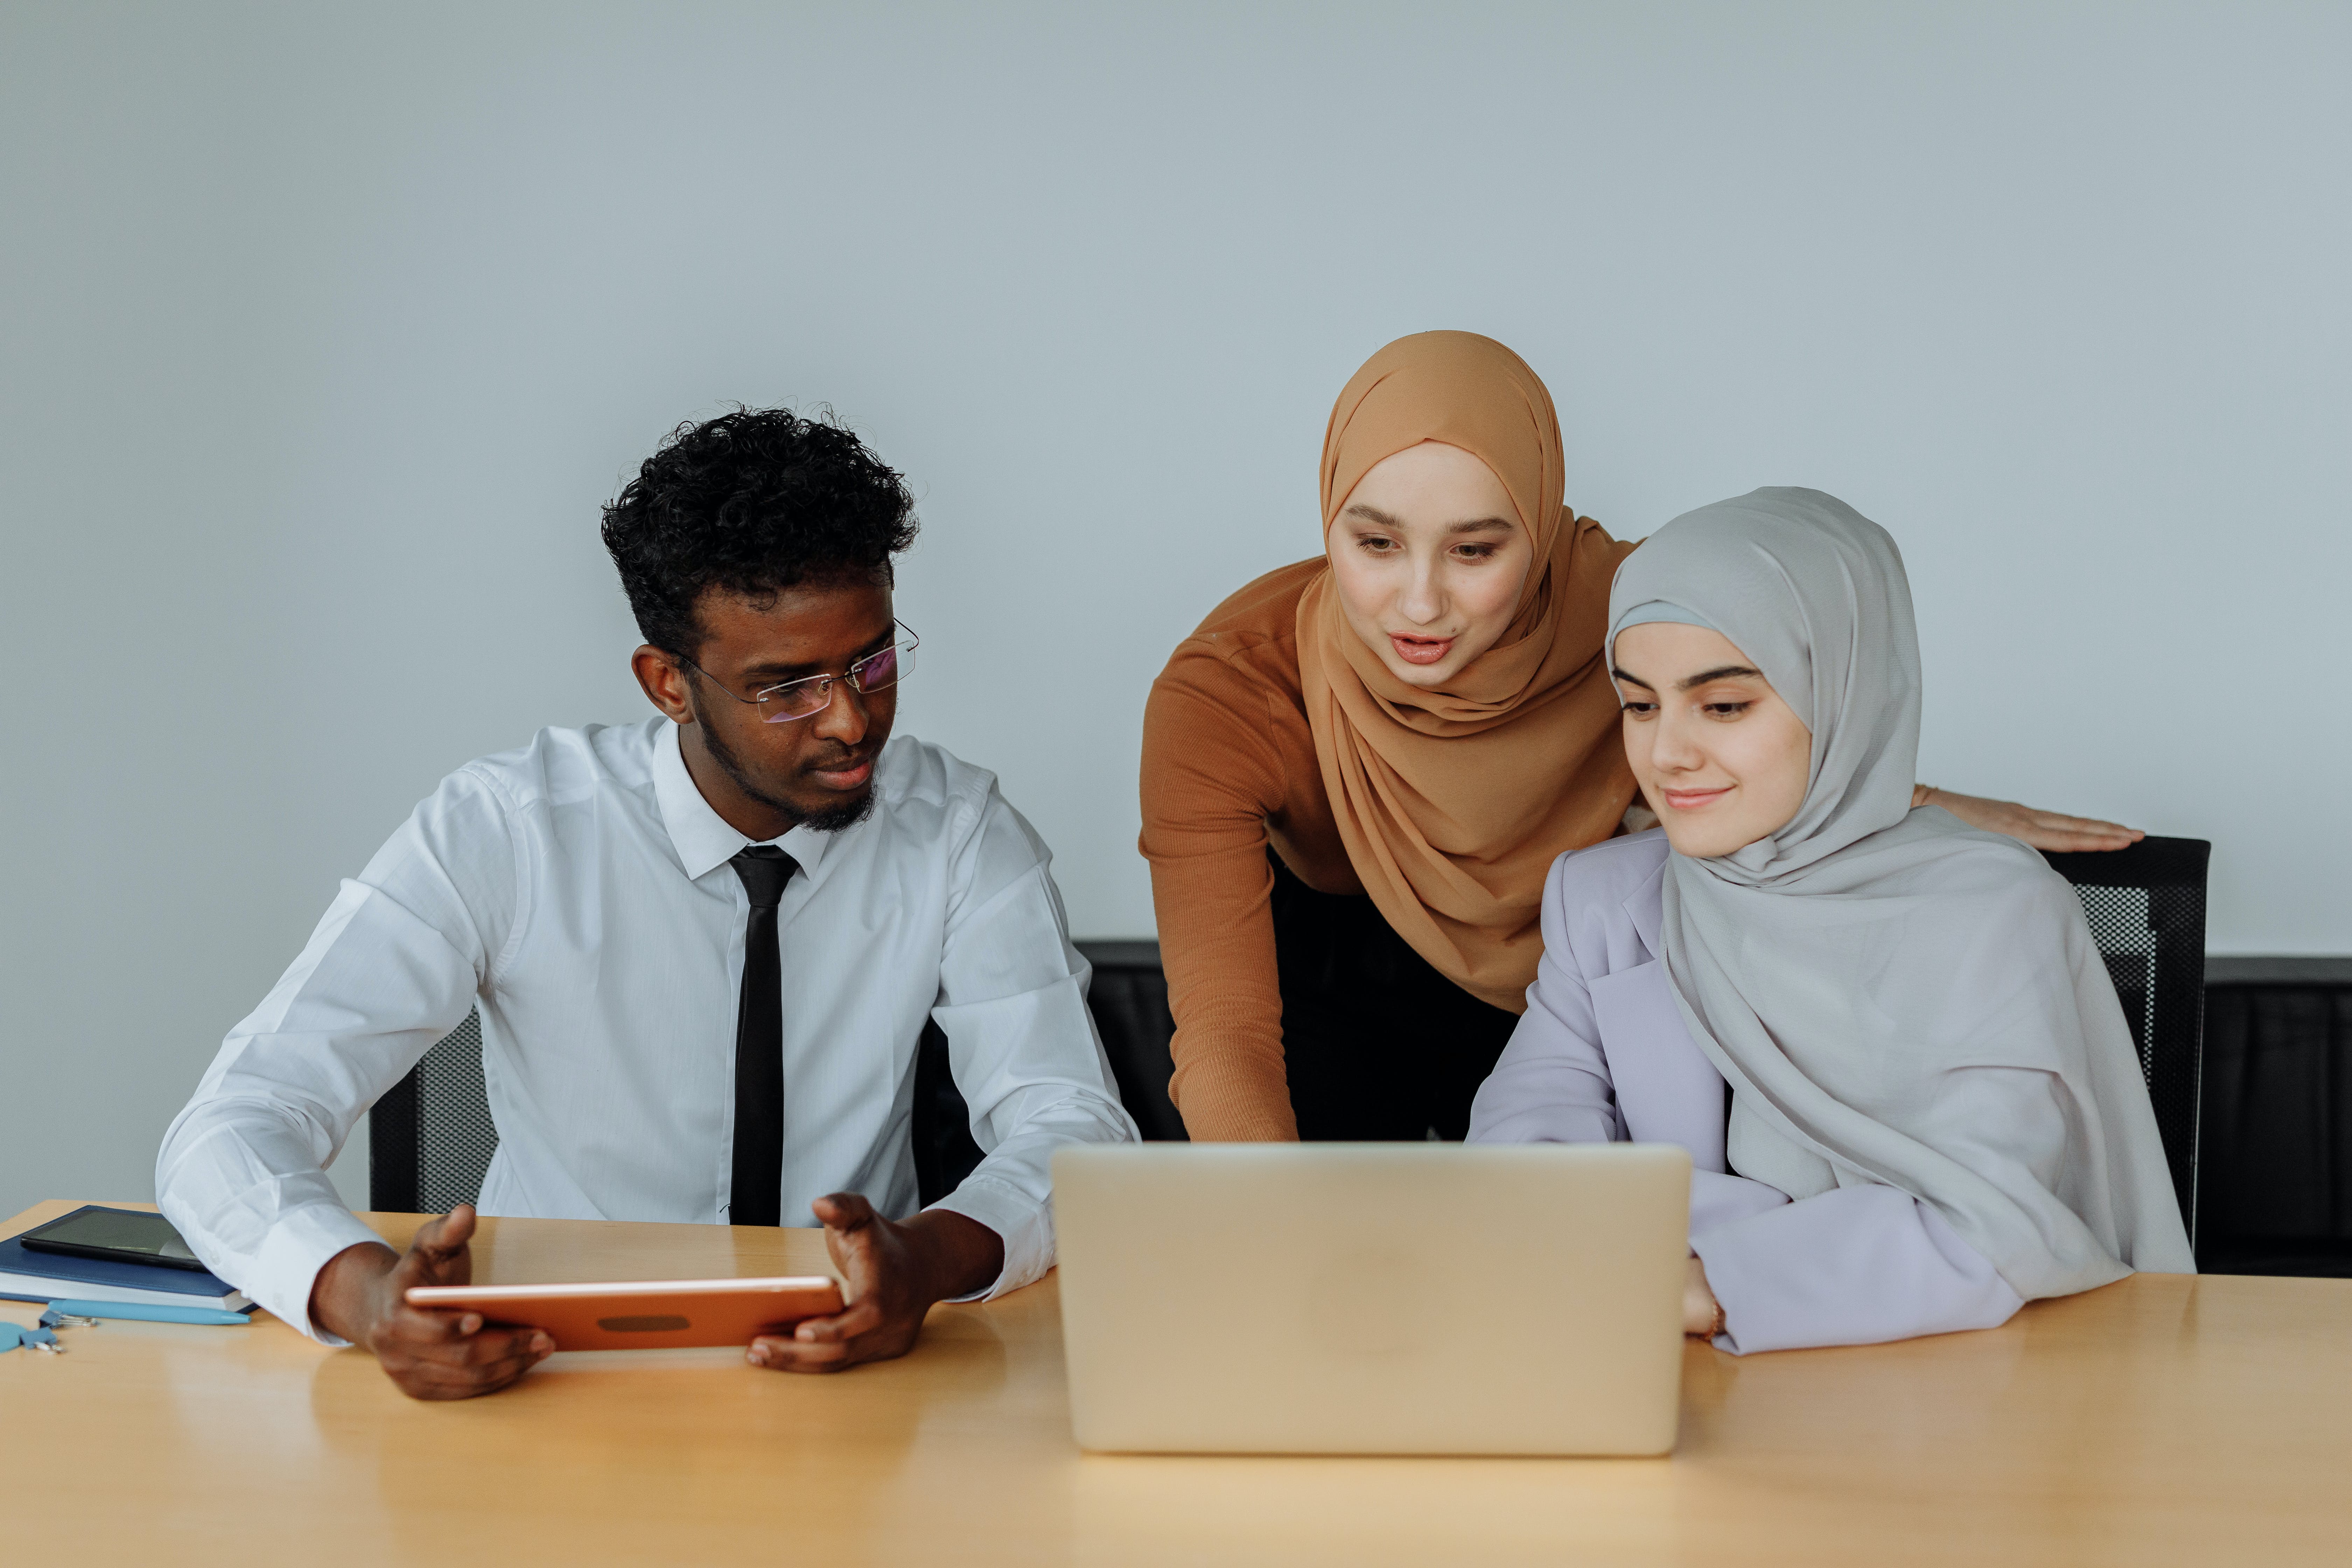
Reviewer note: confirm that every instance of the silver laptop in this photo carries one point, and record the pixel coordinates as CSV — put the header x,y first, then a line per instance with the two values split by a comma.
x,y
1374,1298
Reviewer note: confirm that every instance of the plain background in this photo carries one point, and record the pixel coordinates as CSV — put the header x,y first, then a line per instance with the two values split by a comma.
x,y
325,330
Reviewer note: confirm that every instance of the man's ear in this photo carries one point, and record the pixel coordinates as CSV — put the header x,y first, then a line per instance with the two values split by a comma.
x,y
663,682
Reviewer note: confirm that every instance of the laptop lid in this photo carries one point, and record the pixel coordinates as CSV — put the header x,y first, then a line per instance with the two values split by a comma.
x,y
1374,1298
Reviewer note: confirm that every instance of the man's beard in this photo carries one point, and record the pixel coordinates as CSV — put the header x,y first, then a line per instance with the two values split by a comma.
x,y
832,819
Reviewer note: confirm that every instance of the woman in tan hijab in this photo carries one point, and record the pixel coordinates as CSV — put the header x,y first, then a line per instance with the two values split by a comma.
x,y
1358,769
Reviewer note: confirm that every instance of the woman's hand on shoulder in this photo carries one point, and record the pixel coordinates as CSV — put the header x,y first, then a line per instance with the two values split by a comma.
x,y
2052,830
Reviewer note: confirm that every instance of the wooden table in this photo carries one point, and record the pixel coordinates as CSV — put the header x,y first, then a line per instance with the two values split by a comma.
x,y
2164,1419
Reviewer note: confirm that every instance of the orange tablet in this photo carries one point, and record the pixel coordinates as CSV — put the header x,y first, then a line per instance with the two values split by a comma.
x,y
643,1315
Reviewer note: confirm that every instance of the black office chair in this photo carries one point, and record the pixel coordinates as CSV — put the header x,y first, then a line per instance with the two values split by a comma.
x,y
1130,999
2147,908
430,1138
2275,1154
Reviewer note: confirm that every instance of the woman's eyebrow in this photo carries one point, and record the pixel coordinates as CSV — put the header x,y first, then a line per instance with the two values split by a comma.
x,y
1630,678
1375,516
1722,672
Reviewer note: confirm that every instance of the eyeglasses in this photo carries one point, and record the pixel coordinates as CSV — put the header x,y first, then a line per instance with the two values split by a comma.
x,y
813,694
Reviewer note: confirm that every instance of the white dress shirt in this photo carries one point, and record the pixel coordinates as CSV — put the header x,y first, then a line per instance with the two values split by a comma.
x,y
578,893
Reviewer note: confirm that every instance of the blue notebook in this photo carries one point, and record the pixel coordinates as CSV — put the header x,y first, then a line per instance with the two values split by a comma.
x,y
29,1275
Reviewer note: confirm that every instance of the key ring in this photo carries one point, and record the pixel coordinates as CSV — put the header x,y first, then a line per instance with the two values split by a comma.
x,y
41,1338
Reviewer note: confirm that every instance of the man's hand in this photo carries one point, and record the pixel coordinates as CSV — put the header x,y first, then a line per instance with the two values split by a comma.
x,y
430,1355
891,1274
2043,829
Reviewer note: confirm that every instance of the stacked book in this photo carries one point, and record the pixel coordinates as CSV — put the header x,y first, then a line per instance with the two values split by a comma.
x,y
27,1275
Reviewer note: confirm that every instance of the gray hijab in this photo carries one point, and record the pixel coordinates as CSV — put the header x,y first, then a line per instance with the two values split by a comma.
x,y
1846,973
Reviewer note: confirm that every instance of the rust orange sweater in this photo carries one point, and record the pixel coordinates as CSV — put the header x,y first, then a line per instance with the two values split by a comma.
x,y
1229,767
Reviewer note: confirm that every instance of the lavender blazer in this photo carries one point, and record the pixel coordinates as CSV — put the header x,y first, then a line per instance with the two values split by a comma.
x,y
1602,1055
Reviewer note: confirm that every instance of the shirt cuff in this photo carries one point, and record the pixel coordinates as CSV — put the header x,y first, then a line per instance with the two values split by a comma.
x,y
1025,1225
297,1246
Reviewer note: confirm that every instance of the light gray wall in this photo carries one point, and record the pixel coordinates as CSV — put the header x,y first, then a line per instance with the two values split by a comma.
x,y
324,330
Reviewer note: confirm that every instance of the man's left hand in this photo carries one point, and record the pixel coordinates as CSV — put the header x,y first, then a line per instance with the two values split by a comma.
x,y
890,1273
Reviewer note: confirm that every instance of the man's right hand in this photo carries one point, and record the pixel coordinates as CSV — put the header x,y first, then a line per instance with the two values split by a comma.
x,y
361,1295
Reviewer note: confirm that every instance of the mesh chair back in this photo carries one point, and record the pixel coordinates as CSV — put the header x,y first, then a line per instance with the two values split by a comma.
x,y
431,1138
2147,909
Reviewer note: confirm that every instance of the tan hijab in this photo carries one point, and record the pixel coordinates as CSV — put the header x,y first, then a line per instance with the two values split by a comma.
x,y
1454,803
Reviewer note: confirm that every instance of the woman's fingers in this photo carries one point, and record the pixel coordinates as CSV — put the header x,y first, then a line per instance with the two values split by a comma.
x,y
2059,821
2097,836
1699,1300
2053,830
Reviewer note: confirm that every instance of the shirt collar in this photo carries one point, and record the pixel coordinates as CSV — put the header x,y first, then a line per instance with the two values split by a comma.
x,y
700,836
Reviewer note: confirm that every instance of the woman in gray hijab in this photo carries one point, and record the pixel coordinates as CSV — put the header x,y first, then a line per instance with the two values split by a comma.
x,y
1887,1038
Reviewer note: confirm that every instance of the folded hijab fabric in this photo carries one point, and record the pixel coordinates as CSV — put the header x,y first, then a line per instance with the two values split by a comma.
x,y
1840,971
1452,804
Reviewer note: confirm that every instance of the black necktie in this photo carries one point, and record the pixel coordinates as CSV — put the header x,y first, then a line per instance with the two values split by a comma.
x,y
755,1192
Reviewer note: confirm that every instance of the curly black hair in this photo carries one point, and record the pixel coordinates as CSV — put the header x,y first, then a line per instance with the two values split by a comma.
x,y
754,502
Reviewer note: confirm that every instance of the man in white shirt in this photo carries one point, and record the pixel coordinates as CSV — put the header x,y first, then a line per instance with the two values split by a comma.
x,y
702,949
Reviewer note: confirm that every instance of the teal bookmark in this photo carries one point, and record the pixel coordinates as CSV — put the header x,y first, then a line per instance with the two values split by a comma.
x,y
140,1311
